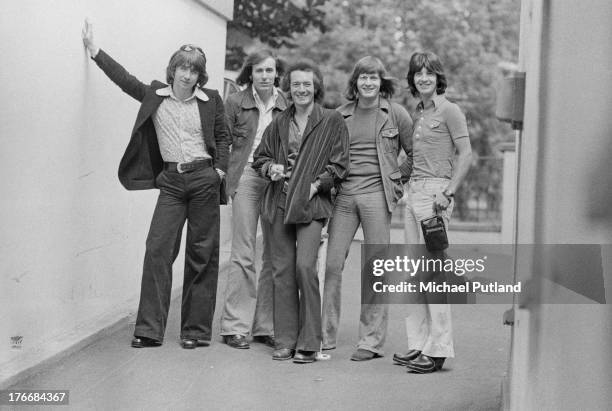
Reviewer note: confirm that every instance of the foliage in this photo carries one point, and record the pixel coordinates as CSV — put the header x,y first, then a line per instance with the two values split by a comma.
x,y
472,37
273,22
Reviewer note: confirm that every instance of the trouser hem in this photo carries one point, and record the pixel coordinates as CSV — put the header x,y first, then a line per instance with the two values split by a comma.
x,y
374,350
148,334
224,333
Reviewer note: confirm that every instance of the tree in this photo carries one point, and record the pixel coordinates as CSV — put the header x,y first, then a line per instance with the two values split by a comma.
x,y
273,22
470,36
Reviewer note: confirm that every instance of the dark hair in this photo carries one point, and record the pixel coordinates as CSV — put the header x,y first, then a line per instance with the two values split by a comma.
x,y
255,58
432,63
304,65
190,56
369,65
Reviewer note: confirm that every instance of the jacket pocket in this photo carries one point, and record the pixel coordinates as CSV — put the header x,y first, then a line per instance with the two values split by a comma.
x,y
390,138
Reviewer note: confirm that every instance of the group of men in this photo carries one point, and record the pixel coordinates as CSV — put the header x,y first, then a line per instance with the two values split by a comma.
x,y
292,166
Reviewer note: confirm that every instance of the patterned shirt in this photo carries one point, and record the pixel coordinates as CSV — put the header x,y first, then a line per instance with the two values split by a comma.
x,y
179,128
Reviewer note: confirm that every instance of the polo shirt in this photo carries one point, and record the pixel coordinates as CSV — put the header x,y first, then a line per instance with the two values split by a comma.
x,y
436,128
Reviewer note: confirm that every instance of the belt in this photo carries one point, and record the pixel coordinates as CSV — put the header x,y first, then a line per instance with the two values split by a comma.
x,y
188,167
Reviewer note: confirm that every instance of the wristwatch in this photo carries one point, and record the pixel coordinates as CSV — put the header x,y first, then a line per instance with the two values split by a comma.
x,y
449,196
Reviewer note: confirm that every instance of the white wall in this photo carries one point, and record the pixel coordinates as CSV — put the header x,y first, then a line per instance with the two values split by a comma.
x,y
561,352
71,238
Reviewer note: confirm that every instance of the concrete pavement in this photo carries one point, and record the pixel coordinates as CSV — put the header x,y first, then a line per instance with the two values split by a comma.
x,y
110,375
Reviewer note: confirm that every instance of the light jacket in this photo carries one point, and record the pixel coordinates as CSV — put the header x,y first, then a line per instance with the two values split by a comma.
x,y
393,132
142,160
242,118
323,155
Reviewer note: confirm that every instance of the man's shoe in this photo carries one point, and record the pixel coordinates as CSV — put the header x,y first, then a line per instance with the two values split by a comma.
x,y
142,342
283,354
203,343
236,341
364,355
188,343
424,364
403,359
305,357
265,339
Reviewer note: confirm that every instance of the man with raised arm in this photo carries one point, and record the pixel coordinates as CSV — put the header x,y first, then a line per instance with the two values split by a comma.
x,y
178,145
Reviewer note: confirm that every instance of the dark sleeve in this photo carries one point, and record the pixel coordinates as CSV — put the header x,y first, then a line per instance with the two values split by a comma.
x,y
222,139
404,124
263,156
338,166
230,118
118,75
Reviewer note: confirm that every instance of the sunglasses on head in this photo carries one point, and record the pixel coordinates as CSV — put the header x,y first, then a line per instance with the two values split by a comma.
x,y
191,47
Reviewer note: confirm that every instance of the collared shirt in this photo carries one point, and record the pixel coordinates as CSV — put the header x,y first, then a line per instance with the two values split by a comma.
x,y
436,128
265,117
179,128
295,141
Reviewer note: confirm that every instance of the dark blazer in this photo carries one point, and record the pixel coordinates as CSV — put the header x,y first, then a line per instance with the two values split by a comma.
x,y
142,161
323,155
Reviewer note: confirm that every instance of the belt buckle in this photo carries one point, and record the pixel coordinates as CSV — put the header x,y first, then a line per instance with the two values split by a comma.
x,y
179,169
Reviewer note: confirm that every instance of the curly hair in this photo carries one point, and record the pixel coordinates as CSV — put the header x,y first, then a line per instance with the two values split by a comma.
x,y
308,66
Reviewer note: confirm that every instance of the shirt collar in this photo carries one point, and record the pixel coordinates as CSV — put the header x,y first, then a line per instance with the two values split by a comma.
x,y
438,99
348,109
259,101
167,92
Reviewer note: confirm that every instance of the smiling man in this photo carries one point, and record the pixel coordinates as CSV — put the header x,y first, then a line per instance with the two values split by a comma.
x,y
178,145
442,158
378,130
304,152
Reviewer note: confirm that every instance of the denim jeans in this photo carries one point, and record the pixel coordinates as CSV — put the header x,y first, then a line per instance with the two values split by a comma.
x,y
428,326
370,210
244,293
193,197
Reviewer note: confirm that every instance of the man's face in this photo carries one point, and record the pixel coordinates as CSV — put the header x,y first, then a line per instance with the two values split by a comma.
x,y
368,85
185,77
425,82
263,75
302,88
